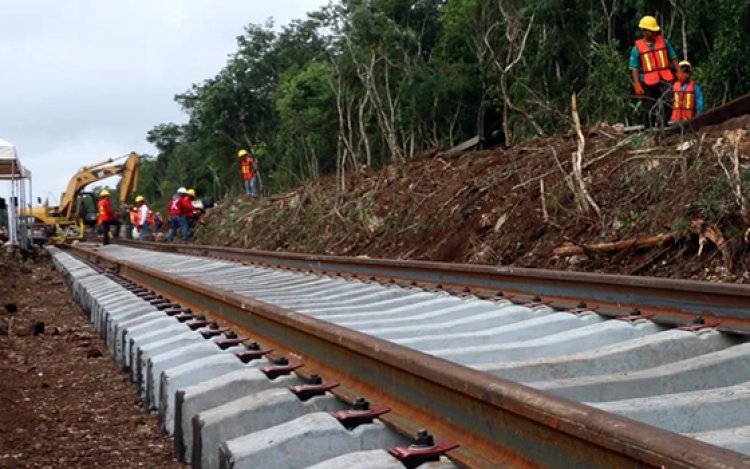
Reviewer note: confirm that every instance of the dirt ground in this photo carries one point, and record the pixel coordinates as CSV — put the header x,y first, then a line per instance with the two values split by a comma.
x,y
64,402
515,206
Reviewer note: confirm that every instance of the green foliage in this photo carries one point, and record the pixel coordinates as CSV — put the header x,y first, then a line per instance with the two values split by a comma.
x,y
363,81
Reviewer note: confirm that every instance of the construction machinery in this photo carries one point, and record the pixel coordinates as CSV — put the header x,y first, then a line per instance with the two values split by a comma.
x,y
77,209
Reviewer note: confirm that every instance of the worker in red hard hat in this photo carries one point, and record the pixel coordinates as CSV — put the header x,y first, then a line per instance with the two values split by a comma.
x,y
653,65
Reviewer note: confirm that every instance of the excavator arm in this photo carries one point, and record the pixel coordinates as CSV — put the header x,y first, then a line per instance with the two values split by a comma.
x,y
129,181
96,172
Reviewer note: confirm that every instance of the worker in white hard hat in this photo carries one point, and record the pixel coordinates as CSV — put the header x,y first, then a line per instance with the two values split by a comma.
x,y
180,208
653,65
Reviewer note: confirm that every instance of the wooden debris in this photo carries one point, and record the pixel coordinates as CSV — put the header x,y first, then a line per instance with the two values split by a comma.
x,y
711,232
570,249
460,148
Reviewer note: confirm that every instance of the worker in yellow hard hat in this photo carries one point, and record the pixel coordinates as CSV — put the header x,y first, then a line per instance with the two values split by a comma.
x,y
143,217
105,216
687,95
249,173
653,65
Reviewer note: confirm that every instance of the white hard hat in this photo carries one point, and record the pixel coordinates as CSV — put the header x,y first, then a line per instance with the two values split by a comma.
x,y
182,190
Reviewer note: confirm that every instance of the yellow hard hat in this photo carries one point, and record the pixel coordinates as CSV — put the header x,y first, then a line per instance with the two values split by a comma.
x,y
104,193
191,192
685,63
241,153
649,23
139,199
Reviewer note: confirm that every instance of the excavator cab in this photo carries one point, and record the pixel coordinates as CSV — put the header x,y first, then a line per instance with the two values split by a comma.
x,y
86,208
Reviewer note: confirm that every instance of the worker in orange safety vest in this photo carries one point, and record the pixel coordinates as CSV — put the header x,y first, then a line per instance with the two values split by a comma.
x,y
652,62
687,95
134,223
249,173
143,223
105,216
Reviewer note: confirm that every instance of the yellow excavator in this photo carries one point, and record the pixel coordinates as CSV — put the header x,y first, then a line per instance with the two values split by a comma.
x,y
77,209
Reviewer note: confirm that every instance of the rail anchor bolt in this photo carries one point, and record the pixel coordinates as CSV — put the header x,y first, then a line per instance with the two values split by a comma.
x,y
422,450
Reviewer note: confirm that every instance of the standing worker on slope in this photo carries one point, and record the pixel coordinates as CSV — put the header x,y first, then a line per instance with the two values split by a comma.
x,y
143,217
687,95
249,176
651,62
105,216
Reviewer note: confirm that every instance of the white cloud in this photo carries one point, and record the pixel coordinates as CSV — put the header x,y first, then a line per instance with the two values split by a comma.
x,y
83,80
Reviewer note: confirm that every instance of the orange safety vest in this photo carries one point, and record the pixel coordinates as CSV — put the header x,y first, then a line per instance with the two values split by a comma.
x,y
654,63
104,211
134,218
683,107
246,168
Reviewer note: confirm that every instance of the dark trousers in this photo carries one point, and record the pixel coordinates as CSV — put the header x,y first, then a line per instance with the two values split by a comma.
x,y
107,227
179,223
656,104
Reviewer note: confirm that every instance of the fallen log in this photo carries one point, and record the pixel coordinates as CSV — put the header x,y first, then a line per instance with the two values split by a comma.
x,y
570,249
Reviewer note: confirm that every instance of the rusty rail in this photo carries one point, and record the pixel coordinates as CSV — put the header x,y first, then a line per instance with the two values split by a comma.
x,y
498,423
672,302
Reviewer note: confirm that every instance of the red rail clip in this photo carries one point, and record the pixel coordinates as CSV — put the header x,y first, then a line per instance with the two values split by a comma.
x,y
582,310
414,456
197,324
306,391
249,355
230,342
698,327
273,372
362,413
172,311
635,317
185,317
213,332
534,304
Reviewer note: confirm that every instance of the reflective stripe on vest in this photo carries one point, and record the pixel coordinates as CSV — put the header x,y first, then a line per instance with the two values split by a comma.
x,y
174,208
654,62
246,168
683,107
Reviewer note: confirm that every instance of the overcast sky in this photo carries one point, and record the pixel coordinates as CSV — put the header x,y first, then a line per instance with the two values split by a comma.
x,y
84,80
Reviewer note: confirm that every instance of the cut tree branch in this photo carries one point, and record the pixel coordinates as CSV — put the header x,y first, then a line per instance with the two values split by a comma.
x,y
570,249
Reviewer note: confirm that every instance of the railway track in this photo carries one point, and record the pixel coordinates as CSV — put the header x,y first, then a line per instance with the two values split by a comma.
x,y
615,372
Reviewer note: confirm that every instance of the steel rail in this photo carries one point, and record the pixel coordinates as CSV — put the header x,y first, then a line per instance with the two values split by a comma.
x,y
668,301
499,423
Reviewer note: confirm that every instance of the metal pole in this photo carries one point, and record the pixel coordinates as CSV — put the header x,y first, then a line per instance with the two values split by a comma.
x,y
12,213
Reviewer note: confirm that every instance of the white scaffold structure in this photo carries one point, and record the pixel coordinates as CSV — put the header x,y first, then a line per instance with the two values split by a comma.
x,y
19,195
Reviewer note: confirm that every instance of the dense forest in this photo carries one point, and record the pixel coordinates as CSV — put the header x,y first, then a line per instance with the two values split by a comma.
x,y
365,82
